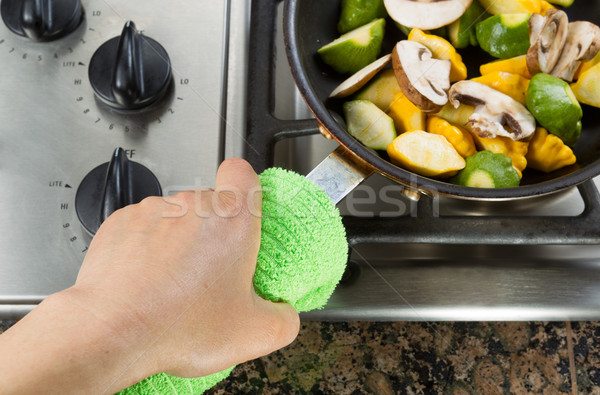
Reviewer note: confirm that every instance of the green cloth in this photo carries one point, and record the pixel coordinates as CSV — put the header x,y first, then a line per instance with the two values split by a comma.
x,y
302,258
164,384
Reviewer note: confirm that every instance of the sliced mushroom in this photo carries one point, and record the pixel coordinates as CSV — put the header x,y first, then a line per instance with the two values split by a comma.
x,y
536,23
496,114
360,78
426,14
583,43
423,80
547,36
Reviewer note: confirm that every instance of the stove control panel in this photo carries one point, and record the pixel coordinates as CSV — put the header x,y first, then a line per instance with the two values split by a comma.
x,y
87,79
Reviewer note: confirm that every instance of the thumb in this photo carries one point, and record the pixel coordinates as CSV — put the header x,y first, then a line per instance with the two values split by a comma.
x,y
237,186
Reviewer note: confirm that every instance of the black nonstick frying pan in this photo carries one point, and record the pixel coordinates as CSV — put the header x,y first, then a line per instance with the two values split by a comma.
x,y
310,24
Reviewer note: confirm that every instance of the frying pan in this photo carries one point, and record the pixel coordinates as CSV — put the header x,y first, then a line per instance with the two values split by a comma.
x,y
310,24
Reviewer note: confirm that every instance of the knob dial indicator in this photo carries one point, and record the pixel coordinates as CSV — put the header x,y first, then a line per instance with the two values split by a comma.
x,y
42,20
131,71
111,186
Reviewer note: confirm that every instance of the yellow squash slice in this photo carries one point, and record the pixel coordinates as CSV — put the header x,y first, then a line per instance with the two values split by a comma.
x,y
427,154
460,139
547,152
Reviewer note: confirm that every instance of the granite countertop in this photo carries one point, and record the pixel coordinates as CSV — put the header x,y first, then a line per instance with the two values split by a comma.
x,y
427,358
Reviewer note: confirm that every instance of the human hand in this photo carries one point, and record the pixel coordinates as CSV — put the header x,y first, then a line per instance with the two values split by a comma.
x,y
166,286
176,273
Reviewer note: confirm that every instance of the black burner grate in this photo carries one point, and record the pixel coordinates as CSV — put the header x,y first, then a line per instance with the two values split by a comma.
x,y
264,130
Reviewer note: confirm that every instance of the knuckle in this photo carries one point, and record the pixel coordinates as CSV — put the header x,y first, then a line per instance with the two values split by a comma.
x,y
293,326
149,202
271,335
282,330
228,202
184,197
145,208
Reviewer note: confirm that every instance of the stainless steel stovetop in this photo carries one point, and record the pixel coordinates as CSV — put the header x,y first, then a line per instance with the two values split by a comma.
x,y
53,132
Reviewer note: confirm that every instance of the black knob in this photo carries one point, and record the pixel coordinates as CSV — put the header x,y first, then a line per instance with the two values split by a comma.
x,y
111,186
42,20
131,71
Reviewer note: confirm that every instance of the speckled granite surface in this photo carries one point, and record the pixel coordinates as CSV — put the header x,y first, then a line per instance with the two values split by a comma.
x,y
427,358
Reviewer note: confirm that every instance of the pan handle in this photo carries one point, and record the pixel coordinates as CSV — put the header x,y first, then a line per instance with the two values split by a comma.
x,y
342,171
339,174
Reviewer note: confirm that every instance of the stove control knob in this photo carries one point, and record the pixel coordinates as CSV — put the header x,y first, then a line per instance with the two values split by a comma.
x,y
42,20
131,71
111,186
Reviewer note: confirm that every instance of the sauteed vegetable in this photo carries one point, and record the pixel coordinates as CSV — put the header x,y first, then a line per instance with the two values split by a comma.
x,y
522,111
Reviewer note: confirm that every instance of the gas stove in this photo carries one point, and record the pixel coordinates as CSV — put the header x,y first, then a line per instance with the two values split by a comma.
x,y
231,94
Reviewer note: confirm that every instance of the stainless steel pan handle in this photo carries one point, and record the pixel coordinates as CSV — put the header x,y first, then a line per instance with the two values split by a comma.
x,y
338,174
